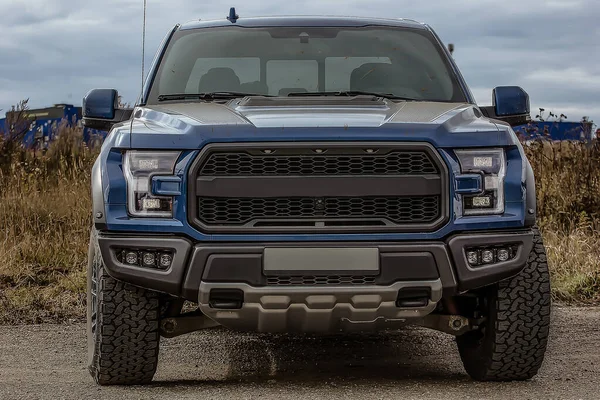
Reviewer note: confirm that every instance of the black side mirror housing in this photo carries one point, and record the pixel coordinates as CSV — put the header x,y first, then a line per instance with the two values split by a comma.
x,y
101,109
510,104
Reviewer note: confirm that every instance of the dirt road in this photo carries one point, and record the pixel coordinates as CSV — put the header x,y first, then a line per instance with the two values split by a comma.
x,y
48,362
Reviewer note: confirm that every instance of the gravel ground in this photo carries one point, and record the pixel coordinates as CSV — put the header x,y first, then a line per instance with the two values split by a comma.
x,y
48,362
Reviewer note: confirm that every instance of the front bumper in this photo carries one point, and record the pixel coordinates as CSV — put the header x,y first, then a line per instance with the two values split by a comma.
x,y
199,270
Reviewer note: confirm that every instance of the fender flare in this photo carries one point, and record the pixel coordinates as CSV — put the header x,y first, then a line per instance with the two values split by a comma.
x,y
98,207
530,196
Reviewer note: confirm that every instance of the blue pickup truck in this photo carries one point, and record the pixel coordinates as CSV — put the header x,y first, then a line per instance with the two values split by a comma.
x,y
313,175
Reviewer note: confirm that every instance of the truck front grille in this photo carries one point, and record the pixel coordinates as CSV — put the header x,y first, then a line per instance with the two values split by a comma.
x,y
318,187
242,163
398,210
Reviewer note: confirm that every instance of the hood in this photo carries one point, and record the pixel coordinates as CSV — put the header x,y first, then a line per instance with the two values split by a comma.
x,y
313,112
305,118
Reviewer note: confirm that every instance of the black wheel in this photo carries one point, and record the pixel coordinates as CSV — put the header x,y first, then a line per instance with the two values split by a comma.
x,y
512,341
123,327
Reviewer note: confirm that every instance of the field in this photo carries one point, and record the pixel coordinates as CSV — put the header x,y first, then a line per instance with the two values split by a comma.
x,y
45,219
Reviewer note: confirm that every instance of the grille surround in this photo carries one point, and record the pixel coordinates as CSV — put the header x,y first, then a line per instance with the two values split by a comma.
x,y
324,186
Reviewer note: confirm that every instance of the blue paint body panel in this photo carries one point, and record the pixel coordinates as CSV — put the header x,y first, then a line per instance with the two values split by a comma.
x,y
510,100
100,103
118,219
469,184
188,127
166,185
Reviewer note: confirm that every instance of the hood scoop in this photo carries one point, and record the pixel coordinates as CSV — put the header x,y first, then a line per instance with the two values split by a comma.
x,y
314,111
310,101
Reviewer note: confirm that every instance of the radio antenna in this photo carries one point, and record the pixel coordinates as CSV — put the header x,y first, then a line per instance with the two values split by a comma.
x,y
144,47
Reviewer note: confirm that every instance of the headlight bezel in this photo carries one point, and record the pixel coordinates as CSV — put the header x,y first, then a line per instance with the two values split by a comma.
x,y
139,166
491,164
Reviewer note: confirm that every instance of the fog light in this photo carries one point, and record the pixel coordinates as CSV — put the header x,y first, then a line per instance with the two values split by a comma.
x,y
131,258
503,255
487,256
165,260
149,260
473,257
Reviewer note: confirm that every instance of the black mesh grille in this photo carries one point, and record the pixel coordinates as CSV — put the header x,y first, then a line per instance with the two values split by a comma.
x,y
320,280
398,210
324,187
400,162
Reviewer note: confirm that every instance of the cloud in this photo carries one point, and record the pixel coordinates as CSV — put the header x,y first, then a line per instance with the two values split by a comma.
x,y
56,51
571,77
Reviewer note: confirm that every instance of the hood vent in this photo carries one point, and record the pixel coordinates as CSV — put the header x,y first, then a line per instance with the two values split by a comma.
x,y
311,101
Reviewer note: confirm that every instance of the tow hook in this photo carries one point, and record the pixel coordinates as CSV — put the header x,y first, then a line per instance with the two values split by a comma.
x,y
453,324
457,322
177,326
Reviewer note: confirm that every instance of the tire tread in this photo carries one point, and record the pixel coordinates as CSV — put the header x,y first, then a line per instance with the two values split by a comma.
x,y
516,339
126,343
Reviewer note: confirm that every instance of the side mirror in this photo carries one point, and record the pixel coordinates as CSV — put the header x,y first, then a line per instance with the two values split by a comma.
x,y
100,103
510,104
101,109
510,101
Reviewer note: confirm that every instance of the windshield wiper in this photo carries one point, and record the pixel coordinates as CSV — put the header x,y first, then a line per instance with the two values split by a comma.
x,y
208,96
390,96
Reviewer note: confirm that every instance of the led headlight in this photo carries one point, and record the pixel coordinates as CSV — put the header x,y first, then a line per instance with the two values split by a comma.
x,y
491,163
139,167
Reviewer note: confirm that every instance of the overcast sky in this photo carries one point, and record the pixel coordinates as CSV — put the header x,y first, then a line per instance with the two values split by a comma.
x,y
54,51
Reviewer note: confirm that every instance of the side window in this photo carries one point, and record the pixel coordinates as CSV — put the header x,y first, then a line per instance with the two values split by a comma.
x,y
283,75
247,69
339,69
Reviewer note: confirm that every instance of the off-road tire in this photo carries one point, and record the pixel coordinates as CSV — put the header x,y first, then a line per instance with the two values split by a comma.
x,y
512,341
123,326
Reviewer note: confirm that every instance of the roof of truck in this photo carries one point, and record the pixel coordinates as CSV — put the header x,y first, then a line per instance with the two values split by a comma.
x,y
323,21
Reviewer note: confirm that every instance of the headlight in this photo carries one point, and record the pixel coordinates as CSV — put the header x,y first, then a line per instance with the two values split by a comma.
x,y
491,163
139,167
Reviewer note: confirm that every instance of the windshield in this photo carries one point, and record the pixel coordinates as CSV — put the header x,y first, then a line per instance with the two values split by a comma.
x,y
399,62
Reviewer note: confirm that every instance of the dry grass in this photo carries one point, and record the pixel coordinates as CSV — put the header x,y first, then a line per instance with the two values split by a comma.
x,y
45,218
568,184
568,191
44,228
575,265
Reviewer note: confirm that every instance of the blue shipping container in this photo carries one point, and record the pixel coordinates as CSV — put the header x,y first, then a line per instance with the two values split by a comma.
x,y
46,121
574,131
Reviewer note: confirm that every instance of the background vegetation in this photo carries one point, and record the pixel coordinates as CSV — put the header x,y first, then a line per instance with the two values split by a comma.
x,y
45,219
